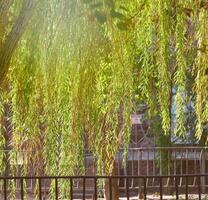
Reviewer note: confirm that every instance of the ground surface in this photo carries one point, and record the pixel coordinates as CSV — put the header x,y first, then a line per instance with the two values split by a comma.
x,y
149,197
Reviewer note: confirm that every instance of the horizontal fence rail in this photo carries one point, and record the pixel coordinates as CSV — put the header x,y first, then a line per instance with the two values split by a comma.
x,y
155,170
95,189
160,161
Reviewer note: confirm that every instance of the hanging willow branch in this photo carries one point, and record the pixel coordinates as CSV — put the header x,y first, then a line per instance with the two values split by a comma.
x,y
71,84
180,75
9,45
202,68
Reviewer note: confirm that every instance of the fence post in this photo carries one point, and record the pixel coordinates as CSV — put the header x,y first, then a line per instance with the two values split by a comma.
x,y
140,182
5,188
203,170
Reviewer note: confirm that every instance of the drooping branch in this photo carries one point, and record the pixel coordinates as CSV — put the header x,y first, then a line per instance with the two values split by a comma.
x,y
4,19
5,5
14,36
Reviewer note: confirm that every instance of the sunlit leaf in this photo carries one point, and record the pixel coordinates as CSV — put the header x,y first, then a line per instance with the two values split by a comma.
x,y
101,17
96,5
122,26
116,14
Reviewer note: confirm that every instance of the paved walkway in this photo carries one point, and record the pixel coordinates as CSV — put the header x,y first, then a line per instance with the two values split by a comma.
x,y
149,197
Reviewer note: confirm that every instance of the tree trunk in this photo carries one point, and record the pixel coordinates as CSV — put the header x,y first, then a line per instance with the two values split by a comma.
x,y
114,185
8,47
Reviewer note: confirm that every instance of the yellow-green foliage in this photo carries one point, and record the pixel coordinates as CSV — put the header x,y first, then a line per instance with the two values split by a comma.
x,y
2,139
70,83
201,70
70,87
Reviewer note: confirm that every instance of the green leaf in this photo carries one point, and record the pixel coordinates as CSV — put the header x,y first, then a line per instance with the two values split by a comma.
x,y
123,8
96,5
87,1
116,14
101,17
122,26
110,3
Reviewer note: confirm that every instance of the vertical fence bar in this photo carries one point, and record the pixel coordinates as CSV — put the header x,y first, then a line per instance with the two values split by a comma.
x,y
139,157
203,170
22,188
39,186
71,188
95,188
186,187
110,188
187,161
161,170
199,187
132,166
154,170
174,162
147,165
5,189
127,188
169,161
176,187
84,188
95,178
145,189
56,188
161,189
181,166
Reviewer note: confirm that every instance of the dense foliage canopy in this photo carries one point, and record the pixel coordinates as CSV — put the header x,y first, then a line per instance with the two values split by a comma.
x,y
81,66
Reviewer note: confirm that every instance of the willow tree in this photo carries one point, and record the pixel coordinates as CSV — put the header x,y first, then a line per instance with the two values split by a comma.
x,y
14,18
70,87
71,83
168,46
13,22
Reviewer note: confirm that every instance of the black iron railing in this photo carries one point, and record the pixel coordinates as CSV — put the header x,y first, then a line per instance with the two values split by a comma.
x,y
142,188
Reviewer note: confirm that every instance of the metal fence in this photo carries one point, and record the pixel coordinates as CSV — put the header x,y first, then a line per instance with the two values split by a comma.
x,y
168,165
94,189
165,160
160,161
